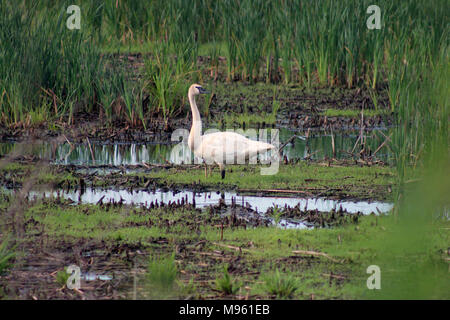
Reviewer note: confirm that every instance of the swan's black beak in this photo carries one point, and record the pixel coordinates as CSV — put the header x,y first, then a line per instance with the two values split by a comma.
x,y
202,90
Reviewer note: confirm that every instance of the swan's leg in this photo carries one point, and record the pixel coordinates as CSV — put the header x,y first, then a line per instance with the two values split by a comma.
x,y
222,170
206,175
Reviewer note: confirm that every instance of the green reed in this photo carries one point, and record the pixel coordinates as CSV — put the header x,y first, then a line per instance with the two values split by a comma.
x,y
43,65
166,80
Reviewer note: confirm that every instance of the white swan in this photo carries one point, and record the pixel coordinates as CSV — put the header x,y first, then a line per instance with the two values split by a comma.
x,y
219,147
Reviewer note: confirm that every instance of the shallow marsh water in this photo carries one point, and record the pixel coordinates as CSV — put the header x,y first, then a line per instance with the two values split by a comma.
x,y
317,146
206,199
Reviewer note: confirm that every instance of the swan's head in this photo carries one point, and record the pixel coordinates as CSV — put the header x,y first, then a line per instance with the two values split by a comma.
x,y
196,89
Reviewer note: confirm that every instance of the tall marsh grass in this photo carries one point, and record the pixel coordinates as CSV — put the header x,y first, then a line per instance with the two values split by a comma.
x,y
44,67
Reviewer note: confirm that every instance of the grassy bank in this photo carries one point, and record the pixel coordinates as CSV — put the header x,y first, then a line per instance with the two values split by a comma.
x,y
313,179
314,264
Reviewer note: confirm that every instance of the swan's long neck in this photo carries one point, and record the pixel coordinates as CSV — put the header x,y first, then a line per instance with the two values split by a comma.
x,y
196,129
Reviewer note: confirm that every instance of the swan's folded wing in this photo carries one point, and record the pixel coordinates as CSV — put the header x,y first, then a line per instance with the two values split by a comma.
x,y
231,147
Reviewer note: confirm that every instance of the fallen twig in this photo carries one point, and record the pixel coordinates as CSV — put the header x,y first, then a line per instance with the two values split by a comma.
x,y
286,143
336,276
67,140
381,145
90,148
231,247
315,253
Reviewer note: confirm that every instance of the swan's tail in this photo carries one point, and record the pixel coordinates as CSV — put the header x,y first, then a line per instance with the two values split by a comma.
x,y
263,146
260,147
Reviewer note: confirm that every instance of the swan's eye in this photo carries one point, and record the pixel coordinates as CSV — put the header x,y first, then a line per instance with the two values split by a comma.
x,y
201,90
